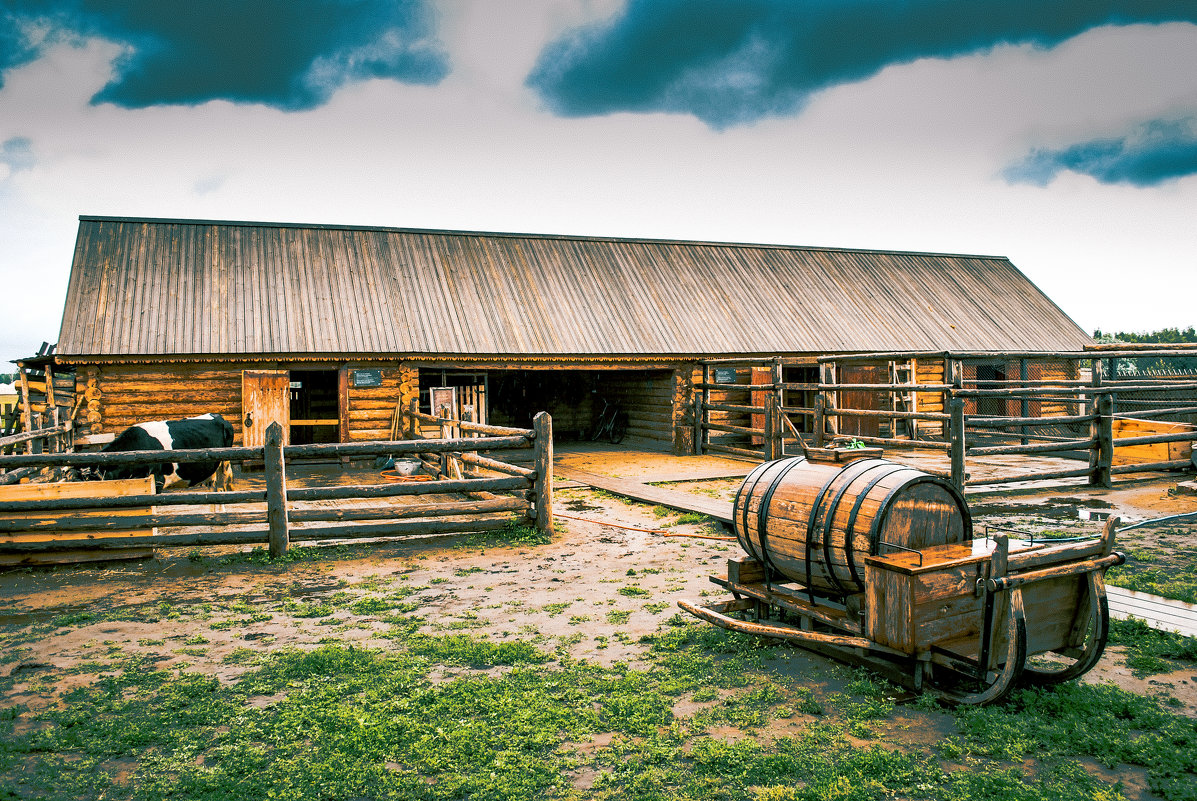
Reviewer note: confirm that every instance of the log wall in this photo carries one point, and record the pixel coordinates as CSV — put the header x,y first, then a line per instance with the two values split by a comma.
x,y
369,411
929,371
118,396
647,397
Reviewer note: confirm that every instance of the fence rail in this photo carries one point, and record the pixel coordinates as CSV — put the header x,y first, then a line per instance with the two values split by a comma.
x,y
1068,413
50,525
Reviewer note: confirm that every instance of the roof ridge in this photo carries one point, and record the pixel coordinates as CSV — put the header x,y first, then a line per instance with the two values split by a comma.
x,y
527,235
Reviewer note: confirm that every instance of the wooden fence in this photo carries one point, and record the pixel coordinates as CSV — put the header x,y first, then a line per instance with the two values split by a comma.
x,y
1114,427
53,439
498,491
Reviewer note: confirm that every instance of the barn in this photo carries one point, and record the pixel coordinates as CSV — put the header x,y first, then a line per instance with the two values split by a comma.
x,y
330,329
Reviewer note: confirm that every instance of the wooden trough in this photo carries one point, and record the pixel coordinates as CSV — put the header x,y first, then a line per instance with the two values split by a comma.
x,y
875,563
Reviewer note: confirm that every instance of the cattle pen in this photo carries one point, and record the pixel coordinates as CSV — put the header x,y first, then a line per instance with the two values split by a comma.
x,y
1097,414
496,493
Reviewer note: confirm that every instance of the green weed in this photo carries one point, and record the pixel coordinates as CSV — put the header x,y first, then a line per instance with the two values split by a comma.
x,y
1149,650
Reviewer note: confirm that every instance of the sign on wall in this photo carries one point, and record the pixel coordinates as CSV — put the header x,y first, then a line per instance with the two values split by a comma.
x,y
366,378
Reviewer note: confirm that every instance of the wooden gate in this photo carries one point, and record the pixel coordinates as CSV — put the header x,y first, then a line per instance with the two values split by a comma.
x,y
265,399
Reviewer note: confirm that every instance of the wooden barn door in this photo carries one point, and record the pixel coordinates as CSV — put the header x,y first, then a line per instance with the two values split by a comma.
x,y
862,399
265,399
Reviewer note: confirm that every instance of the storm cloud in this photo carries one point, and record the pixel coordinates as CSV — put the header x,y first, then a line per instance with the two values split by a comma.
x,y
731,62
290,54
1154,154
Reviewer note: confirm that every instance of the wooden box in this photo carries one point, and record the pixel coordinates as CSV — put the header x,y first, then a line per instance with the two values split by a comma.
x,y
917,600
842,454
745,570
1146,454
76,489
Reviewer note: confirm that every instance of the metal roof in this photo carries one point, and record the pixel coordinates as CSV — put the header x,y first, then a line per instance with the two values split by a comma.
x,y
145,287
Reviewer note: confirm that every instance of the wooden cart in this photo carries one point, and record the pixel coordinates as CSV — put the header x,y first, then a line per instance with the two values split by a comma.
x,y
967,618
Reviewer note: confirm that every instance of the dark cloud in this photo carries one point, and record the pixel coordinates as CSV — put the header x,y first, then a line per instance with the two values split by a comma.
x,y
735,61
1156,153
292,54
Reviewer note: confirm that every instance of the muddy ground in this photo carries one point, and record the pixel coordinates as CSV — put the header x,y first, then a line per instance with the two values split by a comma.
x,y
612,574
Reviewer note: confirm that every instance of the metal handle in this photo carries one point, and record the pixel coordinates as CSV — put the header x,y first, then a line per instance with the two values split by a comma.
x,y
249,420
907,550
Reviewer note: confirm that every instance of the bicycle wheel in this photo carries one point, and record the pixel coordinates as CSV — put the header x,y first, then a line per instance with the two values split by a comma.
x,y
618,430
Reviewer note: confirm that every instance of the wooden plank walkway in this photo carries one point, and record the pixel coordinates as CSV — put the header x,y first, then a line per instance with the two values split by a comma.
x,y
674,499
1159,613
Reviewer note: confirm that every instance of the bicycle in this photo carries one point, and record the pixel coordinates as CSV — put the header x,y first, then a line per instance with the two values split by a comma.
x,y
612,425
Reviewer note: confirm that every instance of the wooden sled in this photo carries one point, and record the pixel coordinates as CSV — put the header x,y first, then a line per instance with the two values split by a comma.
x,y
967,621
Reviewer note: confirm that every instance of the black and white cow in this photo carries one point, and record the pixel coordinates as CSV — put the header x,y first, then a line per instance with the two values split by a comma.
x,y
205,431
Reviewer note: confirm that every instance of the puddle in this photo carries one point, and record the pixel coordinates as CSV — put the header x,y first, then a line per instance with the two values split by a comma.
x,y
1088,509
1092,503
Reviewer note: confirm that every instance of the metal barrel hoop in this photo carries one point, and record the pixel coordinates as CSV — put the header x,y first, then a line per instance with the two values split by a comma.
x,y
741,505
850,528
850,472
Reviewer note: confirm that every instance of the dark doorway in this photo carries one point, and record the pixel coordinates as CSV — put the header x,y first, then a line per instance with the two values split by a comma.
x,y
315,411
988,406
570,396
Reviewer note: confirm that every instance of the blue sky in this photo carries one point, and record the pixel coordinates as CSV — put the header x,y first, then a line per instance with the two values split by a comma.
x,y
1062,135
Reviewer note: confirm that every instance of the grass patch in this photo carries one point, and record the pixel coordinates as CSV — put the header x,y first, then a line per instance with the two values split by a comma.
x,y
517,531
461,649
1100,722
1169,573
1149,651
344,722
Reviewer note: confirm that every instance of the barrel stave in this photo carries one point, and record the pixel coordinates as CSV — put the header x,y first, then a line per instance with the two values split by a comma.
x,y
814,522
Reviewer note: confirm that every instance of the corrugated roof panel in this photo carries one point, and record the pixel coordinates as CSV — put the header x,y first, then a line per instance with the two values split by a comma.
x,y
180,287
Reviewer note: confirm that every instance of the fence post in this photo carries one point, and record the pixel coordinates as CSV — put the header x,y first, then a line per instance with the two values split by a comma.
x,y
778,395
26,404
1024,405
542,426
703,432
1100,429
957,442
772,429
820,413
411,423
276,491
1104,434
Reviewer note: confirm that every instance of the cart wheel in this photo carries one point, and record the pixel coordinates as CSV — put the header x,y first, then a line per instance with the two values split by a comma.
x,y
960,690
1080,660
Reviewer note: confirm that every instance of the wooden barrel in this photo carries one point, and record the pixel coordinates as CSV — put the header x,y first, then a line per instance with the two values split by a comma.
x,y
813,522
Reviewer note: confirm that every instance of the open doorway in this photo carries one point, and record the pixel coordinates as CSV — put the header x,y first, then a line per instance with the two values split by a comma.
x,y
315,411
469,397
990,406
